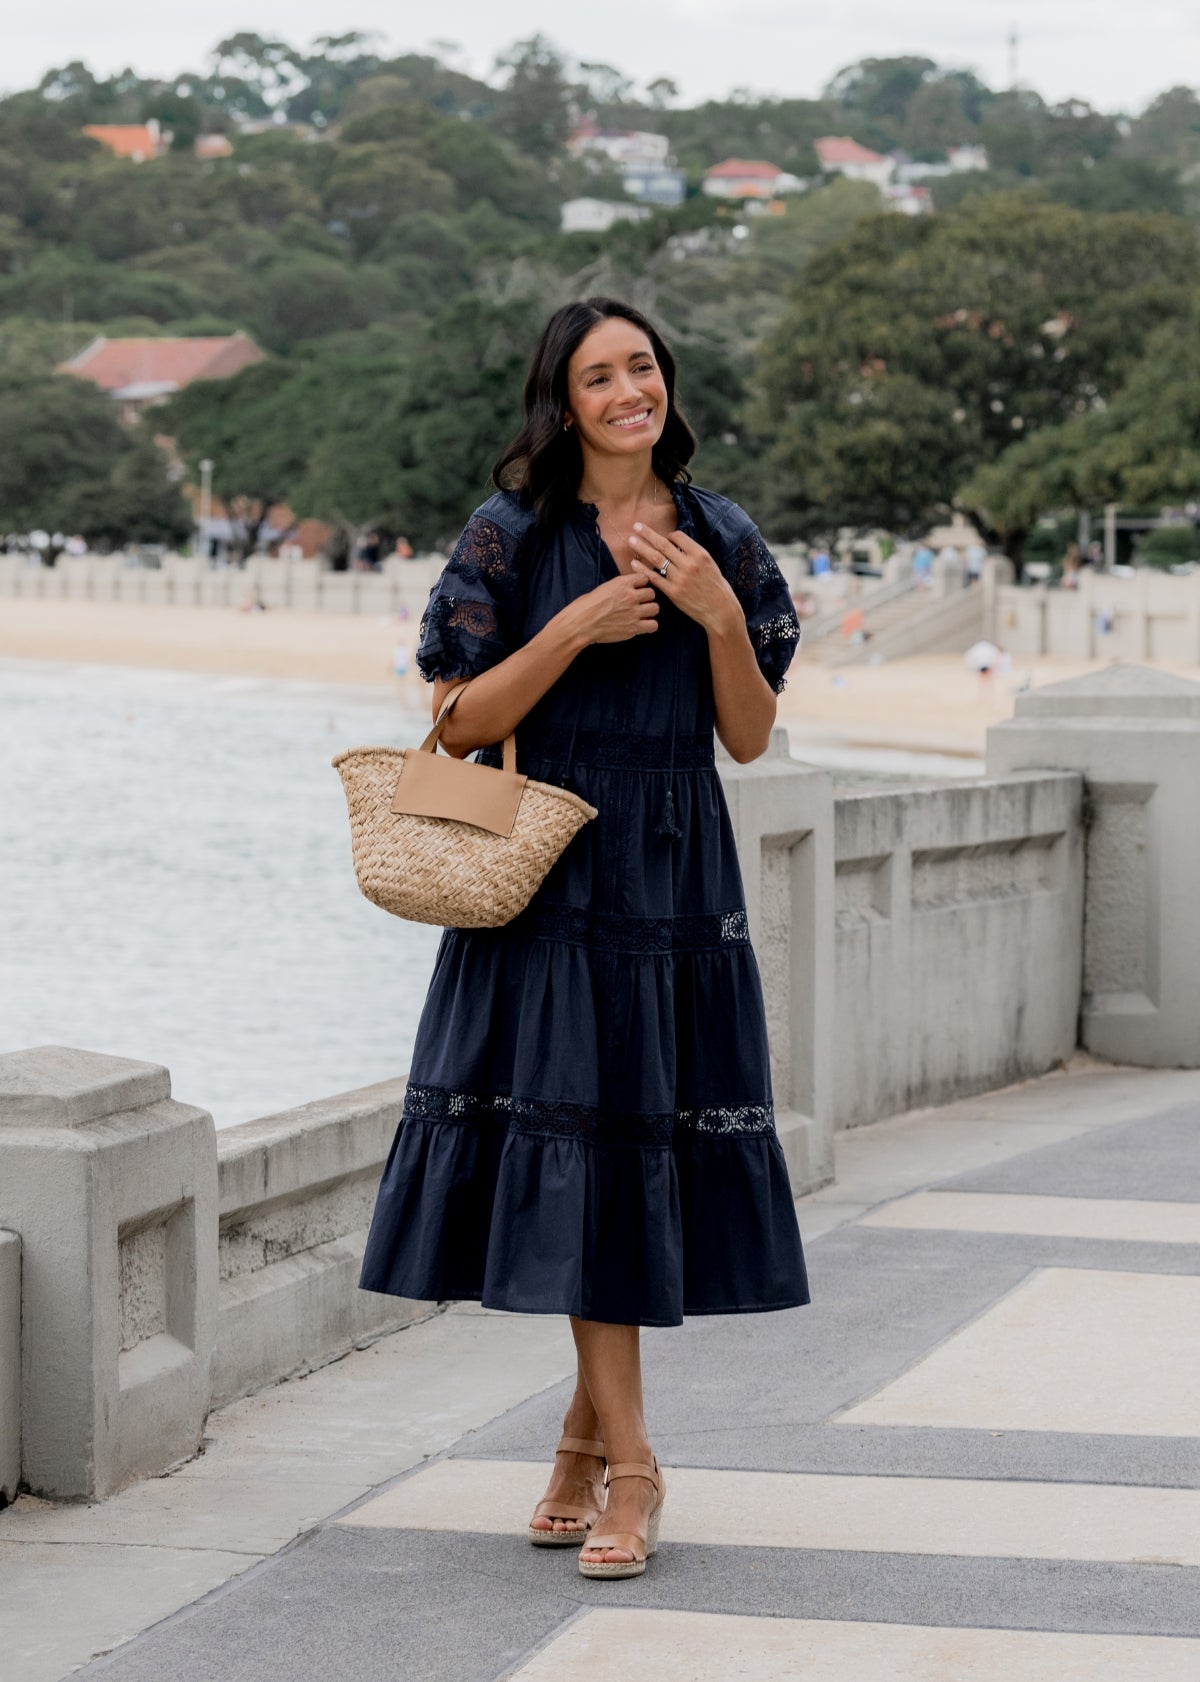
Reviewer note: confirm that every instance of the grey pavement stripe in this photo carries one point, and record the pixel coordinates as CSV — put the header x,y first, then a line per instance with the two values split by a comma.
x,y
415,1606
748,1390
1156,1158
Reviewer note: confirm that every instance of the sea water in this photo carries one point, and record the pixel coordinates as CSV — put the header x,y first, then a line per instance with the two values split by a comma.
x,y
176,883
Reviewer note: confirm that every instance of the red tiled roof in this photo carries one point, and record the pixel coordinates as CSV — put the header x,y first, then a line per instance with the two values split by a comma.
x,y
115,364
743,169
840,149
127,140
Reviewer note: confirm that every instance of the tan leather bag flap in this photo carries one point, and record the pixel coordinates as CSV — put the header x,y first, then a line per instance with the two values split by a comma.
x,y
435,786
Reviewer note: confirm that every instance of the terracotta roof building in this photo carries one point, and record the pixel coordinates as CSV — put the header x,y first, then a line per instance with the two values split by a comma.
x,y
138,141
842,156
748,178
141,372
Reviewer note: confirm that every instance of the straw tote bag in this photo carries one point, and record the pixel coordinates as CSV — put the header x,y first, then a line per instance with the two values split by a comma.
x,y
449,841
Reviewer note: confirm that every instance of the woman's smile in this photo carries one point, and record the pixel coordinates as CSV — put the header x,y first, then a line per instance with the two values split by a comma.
x,y
639,417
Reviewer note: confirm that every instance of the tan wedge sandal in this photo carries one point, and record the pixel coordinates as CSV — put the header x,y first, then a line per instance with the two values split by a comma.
x,y
627,1540
555,1509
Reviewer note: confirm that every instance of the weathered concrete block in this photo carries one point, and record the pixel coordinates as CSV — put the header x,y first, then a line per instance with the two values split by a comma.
x,y
113,1189
296,1195
958,935
10,1364
1134,734
782,815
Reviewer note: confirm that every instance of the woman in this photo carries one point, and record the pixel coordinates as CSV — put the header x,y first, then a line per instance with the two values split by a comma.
x,y
588,1126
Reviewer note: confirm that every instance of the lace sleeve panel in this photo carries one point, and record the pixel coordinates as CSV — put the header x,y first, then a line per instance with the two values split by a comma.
x,y
767,603
470,622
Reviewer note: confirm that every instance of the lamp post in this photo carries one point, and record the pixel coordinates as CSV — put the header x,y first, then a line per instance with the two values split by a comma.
x,y
206,468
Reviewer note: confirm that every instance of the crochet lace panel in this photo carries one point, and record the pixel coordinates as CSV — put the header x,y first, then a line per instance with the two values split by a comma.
x,y
607,931
461,634
561,1119
760,585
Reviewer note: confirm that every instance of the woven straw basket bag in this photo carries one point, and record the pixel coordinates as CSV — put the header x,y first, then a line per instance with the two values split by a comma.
x,y
449,841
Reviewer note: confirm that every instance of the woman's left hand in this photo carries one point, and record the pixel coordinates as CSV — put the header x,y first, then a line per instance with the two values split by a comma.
x,y
693,580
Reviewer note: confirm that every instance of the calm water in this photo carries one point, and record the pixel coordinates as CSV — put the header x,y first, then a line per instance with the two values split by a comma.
x,y
176,885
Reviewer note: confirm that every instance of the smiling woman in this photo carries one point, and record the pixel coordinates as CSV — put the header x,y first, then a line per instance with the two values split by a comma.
x,y
589,1127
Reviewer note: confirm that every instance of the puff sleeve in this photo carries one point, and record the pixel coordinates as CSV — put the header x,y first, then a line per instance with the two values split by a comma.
x,y
767,603
471,620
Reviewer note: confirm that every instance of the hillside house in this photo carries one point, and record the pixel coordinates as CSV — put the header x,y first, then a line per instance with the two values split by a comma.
x,y
749,178
138,373
839,155
139,142
597,216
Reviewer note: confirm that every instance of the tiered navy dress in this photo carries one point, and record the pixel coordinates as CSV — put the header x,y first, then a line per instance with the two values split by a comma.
x,y
588,1127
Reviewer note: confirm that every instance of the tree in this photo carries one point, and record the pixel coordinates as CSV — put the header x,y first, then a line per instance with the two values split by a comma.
x,y
534,108
252,431
985,324
1143,448
67,465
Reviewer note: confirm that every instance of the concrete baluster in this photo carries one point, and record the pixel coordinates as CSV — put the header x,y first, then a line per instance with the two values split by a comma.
x,y
112,1186
1134,735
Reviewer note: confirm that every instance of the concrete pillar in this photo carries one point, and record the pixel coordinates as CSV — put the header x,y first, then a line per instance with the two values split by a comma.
x,y
10,1364
1134,735
998,571
949,574
782,815
113,1189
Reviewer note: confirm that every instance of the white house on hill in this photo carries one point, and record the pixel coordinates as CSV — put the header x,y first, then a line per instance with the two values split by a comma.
x,y
839,155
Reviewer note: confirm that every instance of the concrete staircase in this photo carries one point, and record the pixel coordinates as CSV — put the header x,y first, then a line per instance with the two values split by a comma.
x,y
900,619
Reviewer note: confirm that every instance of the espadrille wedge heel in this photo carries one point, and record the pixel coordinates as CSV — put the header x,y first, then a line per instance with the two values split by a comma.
x,y
588,1516
627,1540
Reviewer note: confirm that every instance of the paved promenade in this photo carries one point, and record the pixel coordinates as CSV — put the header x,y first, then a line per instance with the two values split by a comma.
x,y
975,1456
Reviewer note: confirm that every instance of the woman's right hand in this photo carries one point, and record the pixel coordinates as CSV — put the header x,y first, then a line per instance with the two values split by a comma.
x,y
619,608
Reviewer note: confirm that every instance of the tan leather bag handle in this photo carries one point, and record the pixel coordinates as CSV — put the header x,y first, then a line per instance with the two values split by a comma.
x,y
430,744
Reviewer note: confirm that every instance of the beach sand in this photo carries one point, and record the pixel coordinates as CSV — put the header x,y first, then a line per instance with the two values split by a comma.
x,y
928,703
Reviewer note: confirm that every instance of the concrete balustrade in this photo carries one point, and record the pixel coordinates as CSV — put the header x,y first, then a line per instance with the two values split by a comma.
x,y
1134,734
1151,616
915,944
183,581
112,1186
10,1364
296,1195
782,817
958,913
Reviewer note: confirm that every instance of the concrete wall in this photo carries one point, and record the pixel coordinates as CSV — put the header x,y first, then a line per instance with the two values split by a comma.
x,y
958,914
296,1191
10,1364
185,582
782,817
1154,615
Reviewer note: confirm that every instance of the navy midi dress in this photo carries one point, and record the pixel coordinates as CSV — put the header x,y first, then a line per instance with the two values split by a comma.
x,y
588,1125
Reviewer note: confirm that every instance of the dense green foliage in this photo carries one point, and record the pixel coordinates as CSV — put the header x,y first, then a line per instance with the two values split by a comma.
x,y
390,237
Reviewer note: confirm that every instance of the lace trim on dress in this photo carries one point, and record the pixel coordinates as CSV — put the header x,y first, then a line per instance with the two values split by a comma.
x,y
561,1119
758,582
454,625
613,932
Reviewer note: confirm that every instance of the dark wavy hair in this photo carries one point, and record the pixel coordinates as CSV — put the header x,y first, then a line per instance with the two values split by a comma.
x,y
544,463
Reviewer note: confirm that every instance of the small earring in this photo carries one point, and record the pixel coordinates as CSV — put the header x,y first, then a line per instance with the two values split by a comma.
x,y
566,426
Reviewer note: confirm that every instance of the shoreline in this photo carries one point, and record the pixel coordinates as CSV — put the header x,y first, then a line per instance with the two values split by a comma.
x,y
927,705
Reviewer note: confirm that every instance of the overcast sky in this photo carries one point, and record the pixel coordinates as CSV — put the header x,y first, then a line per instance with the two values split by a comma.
x,y
1116,53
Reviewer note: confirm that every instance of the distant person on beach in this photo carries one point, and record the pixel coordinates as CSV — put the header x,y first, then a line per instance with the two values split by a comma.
x,y
588,1125
922,563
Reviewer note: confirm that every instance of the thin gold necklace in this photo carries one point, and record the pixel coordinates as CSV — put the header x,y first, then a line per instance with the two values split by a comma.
x,y
620,529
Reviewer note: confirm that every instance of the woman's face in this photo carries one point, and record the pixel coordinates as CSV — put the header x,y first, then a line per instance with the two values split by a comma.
x,y
616,396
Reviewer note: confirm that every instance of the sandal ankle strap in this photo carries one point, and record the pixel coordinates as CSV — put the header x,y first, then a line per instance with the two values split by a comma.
x,y
634,1469
581,1445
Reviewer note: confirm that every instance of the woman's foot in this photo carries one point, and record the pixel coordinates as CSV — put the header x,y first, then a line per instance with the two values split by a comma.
x,y
630,1531
574,1497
